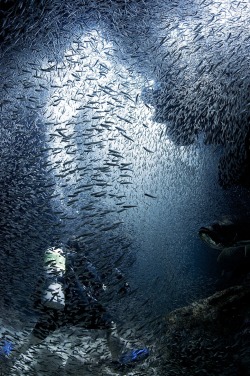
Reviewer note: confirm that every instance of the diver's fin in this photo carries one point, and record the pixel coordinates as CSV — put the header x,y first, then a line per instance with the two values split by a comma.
x,y
134,356
247,250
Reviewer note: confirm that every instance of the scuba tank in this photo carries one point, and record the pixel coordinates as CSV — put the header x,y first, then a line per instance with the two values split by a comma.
x,y
54,268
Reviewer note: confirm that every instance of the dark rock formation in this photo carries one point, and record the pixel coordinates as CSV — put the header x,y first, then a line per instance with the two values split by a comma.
x,y
211,336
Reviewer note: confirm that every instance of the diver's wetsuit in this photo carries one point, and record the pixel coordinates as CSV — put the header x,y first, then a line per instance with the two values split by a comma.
x,y
82,286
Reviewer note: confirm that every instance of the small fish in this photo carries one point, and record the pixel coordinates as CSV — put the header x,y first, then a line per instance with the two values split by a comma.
x,y
148,195
125,182
48,69
148,150
129,138
125,164
120,129
122,118
71,202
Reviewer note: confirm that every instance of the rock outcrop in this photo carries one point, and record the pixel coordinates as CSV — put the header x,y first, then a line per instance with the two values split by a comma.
x,y
210,336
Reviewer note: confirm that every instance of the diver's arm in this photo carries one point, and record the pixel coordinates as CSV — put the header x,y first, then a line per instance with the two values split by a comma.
x,y
85,272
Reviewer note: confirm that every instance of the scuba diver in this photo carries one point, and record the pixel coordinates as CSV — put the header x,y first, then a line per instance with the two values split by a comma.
x,y
67,295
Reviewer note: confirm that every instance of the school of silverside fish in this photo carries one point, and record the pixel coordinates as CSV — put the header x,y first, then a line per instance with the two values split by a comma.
x,y
118,119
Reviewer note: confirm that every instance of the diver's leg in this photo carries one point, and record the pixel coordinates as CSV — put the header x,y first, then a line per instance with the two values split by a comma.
x,y
121,350
47,324
96,317
115,343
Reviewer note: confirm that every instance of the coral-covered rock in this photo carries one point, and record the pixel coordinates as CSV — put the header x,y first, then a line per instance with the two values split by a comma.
x,y
210,336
